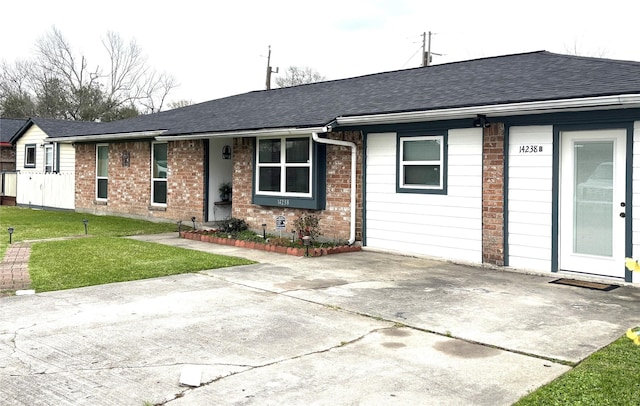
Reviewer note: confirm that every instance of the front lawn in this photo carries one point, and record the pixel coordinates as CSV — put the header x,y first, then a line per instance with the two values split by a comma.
x,y
610,376
58,265
101,257
31,224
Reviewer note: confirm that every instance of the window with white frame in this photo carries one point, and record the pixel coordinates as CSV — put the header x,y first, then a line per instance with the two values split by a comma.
x,y
159,173
48,158
30,156
422,164
102,171
284,166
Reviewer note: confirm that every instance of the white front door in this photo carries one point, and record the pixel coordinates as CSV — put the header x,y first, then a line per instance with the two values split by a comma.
x,y
592,202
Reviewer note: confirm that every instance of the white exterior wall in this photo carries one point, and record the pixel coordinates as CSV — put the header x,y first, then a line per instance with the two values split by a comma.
x,y
530,198
447,226
220,170
636,196
37,188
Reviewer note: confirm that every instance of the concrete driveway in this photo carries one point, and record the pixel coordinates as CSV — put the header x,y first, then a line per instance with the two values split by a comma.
x,y
358,328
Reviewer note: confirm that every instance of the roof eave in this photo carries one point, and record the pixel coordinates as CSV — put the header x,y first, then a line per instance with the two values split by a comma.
x,y
270,132
523,108
107,137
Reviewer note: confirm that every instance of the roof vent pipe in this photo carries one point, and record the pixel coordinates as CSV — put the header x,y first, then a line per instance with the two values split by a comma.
x,y
314,135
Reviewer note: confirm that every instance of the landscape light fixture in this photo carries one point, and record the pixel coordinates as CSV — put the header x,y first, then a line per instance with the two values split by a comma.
x,y
306,240
226,152
179,226
10,230
481,121
264,231
86,226
193,220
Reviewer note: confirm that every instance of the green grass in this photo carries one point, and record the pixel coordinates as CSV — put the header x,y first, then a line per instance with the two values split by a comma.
x,y
58,265
30,224
610,376
101,258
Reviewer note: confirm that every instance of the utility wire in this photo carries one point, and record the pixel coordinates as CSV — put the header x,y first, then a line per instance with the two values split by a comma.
x,y
414,54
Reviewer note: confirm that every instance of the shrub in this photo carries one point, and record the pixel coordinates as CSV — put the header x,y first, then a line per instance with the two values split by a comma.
x,y
233,225
308,224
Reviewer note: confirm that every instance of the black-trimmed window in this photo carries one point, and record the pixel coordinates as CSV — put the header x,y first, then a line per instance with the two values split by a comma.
x,y
102,171
290,172
30,156
422,164
284,166
159,174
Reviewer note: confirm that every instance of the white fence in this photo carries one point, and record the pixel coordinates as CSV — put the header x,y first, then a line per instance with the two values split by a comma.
x,y
8,182
46,189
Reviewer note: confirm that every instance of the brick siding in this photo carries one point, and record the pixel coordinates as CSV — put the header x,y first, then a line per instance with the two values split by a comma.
x,y
334,220
493,195
129,190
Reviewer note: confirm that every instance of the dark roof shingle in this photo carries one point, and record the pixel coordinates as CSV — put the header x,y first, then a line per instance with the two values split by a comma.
x,y
534,76
9,127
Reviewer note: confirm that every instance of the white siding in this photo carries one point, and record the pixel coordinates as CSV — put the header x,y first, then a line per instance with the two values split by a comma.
x,y
220,170
447,226
67,158
530,198
636,196
33,136
37,188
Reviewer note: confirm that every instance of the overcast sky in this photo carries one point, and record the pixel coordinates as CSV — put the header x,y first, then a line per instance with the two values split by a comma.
x,y
218,48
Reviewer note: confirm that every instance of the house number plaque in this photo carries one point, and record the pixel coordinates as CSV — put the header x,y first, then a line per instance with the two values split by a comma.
x,y
530,149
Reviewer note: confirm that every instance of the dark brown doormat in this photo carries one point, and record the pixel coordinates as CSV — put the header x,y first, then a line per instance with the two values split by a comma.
x,y
584,284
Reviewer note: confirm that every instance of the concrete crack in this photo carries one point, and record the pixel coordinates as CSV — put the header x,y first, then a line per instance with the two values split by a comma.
x,y
280,361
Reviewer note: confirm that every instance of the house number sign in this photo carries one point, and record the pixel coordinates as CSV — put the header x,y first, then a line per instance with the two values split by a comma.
x,y
530,149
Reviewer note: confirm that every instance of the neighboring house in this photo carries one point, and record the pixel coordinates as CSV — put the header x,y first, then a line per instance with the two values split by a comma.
x,y
522,160
46,169
8,128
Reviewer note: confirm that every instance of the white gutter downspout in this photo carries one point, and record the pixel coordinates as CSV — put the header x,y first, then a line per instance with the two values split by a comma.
x,y
352,145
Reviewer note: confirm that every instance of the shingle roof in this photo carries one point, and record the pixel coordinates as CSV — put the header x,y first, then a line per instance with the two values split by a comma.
x,y
534,76
59,128
9,127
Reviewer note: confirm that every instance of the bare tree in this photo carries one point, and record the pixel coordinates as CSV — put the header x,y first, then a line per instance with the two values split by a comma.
x,y
299,75
62,84
15,95
176,104
577,50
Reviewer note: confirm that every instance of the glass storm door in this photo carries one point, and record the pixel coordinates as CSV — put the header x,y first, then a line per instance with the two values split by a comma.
x,y
592,202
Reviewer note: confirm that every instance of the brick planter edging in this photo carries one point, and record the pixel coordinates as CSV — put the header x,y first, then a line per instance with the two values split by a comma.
x,y
296,251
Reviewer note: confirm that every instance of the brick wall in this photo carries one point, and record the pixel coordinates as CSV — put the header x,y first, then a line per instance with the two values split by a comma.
x,y
334,220
129,190
85,177
493,195
186,180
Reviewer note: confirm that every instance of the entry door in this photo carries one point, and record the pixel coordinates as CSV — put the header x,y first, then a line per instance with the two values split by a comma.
x,y
592,202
